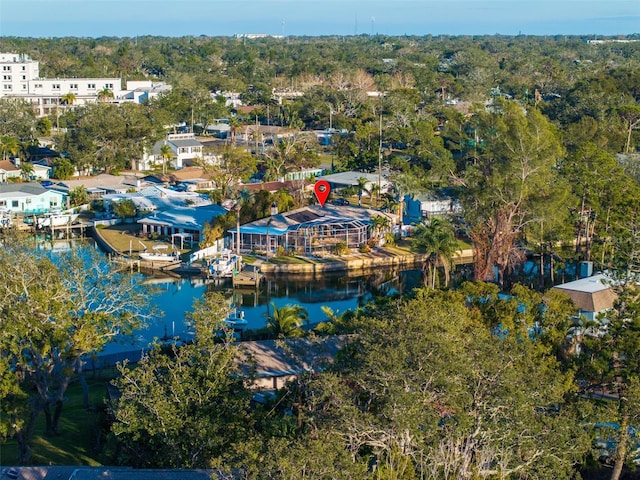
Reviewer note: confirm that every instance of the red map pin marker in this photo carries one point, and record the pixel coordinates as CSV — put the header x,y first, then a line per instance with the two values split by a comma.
x,y
322,189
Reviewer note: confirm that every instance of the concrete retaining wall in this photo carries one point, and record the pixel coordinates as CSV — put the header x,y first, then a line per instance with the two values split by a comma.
x,y
359,263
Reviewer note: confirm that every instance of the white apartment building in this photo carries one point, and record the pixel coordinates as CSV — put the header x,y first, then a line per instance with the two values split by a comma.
x,y
20,78
17,71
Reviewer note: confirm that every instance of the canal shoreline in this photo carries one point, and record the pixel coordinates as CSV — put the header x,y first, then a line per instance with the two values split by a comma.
x,y
356,262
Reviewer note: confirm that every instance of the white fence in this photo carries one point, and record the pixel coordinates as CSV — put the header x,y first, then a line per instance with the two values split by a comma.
x,y
204,253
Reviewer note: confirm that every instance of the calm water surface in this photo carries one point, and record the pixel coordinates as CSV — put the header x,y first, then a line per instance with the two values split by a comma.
x,y
175,296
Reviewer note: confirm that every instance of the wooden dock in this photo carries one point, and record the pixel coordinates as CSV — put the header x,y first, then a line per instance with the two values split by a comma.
x,y
248,278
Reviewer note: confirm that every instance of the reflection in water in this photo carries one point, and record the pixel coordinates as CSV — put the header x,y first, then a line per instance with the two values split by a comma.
x,y
338,291
174,297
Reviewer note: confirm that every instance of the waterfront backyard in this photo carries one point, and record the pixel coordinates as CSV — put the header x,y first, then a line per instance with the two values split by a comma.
x,y
127,239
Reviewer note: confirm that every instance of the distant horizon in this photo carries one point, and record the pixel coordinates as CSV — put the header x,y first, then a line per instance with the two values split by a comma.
x,y
312,18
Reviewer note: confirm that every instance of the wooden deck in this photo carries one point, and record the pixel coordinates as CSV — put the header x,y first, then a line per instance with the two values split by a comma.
x,y
248,278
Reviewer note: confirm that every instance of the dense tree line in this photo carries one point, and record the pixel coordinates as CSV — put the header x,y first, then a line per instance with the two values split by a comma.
x,y
439,384
525,131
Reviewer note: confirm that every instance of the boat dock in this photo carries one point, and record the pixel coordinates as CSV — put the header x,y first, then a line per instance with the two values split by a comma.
x,y
248,278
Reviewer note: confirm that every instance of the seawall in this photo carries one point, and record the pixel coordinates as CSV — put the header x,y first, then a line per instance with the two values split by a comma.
x,y
358,263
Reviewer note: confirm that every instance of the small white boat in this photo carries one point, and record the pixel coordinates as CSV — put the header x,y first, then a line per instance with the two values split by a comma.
x,y
235,319
160,254
224,265
57,219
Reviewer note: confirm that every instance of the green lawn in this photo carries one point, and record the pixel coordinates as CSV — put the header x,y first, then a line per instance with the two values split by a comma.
x,y
77,443
124,236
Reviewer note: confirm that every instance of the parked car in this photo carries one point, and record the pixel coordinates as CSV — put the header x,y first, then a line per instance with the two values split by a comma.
x,y
341,201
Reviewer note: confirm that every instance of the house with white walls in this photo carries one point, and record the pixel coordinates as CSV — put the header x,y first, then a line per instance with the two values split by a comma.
x,y
185,149
8,170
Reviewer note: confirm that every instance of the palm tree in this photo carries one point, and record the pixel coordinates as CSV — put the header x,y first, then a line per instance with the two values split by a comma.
x,y
286,321
68,98
9,145
436,237
104,95
374,190
26,170
234,123
166,153
380,224
362,187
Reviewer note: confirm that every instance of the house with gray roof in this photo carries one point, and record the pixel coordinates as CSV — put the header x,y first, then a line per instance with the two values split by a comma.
x,y
155,197
312,230
100,185
29,198
186,220
275,362
338,181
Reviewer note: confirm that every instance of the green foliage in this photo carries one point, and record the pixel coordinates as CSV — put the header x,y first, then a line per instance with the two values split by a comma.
x,y
124,209
425,377
436,239
217,228
509,184
52,316
26,171
9,146
389,239
105,137
17,119
286,321
78,196
186,408
44,126
610,362
63,169
364,248
340,249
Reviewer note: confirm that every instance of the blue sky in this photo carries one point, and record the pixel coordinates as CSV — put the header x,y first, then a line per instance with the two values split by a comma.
x,y
95,18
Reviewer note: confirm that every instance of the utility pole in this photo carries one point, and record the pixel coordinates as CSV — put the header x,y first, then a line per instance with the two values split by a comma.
x,y
257,134
380,160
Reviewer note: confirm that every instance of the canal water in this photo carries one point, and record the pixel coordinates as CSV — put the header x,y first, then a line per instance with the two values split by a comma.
x,y
175,296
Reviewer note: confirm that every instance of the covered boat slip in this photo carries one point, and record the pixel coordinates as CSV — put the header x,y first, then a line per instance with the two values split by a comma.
x,y
309,231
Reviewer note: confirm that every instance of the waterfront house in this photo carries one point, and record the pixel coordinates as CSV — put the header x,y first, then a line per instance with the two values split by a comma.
x,y
157,198
184,220
29,198
312,230
100,185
